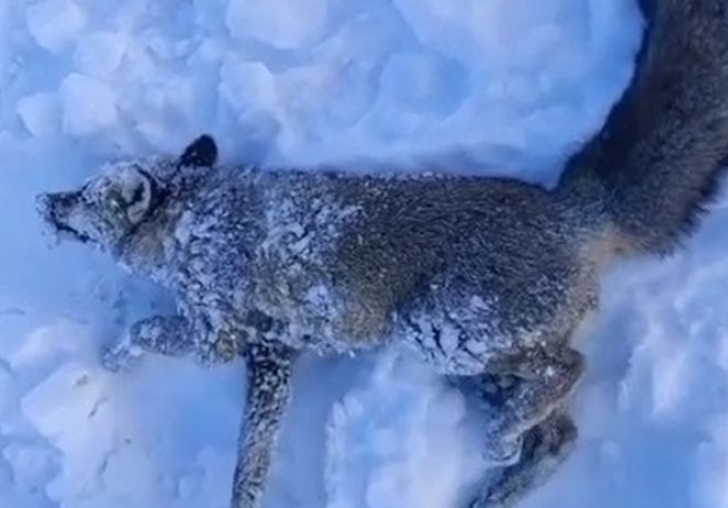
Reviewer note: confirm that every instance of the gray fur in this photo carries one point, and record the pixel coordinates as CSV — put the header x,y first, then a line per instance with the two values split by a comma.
x,y
478,277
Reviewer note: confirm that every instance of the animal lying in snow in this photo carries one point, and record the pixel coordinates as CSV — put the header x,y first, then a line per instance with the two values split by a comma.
x,y
482,278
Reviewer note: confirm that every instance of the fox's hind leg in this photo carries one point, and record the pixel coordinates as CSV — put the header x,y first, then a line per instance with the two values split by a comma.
x,y
541,378
520,390
545,447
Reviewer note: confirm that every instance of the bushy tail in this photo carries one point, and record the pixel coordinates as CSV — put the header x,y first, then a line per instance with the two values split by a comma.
x,y
657,159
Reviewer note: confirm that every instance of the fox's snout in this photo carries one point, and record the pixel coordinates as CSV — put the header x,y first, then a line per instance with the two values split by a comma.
x,y
55,208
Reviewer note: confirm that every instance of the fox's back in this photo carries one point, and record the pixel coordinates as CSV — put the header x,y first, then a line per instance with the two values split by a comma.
x,y
390,249
488,261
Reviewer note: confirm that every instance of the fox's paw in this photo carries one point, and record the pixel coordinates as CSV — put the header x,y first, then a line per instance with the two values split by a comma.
x,y
120,357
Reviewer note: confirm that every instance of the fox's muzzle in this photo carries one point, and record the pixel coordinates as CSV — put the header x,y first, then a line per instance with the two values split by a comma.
x,y
55,209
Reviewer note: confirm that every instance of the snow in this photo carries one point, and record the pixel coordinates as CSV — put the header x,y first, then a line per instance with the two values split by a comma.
x,y
40,114
292,24
88,105
509,85
409,437
54,24
100,53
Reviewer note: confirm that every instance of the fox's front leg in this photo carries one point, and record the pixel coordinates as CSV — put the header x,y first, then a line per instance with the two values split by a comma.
x,y
268,395
177,336
165,335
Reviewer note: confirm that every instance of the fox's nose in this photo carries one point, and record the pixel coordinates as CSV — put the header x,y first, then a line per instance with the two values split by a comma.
x,y
43,204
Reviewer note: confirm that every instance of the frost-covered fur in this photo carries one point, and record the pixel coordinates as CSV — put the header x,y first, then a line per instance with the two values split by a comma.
x,y
480,277
269,370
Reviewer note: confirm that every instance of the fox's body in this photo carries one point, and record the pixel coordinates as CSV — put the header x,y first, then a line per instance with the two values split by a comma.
x,y
479,277
451,266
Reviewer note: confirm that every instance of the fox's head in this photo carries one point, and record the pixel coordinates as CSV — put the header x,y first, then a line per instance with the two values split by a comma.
x,y
114,205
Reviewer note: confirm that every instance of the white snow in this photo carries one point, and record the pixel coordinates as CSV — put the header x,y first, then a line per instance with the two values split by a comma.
x,y
99,53
287,24
401,439
40,114
507,85
88,105
54,24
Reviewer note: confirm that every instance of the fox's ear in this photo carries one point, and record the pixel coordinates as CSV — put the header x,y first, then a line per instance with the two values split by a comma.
x,y
201,152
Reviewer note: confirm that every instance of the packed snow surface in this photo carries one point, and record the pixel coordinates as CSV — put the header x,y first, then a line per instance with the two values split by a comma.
x,y
477,86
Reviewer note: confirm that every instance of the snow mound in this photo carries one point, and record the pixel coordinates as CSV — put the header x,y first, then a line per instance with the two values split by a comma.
x,y
55,24
408,433
286,24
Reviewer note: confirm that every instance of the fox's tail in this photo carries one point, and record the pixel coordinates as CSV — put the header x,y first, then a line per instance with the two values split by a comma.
x,y
657,159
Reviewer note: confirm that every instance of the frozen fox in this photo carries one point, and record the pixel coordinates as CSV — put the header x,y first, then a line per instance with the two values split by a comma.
x,y
485,279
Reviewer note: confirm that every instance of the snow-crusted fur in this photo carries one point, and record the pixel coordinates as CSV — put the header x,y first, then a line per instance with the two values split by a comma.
x,y
480,277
